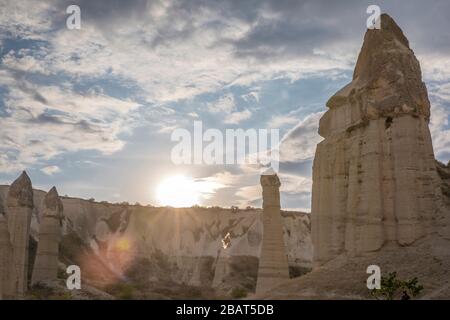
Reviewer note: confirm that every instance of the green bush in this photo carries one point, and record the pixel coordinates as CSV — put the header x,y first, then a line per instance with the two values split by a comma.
x,y
122,291
391,287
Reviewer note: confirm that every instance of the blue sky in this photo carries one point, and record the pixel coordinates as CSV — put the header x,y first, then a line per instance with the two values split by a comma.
x,y
92,110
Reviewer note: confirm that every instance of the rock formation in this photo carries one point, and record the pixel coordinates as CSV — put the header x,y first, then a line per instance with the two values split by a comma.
x,y
273,264
374,174
19,209
222,261
170,244
6,271
444,173
46,262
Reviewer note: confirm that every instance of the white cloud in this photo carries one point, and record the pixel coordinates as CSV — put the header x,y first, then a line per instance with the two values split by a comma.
x,y
281,121
440,119
252,96
193,115
440,91
300,142
225,103
440,131
171,68
435,67
20,19
248,195
225,179
150,54
237,117
50,170
44,121
294,184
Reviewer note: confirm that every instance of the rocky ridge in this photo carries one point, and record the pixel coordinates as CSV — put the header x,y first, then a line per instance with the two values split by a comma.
x,y
180,245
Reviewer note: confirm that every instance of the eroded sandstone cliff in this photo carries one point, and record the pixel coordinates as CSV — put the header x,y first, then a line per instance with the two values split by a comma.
x,y
379,197
374,175
113,242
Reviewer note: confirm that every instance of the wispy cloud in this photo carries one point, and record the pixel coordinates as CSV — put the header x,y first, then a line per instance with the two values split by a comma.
x,y
50,170
223,104
299,143
65,91
238,116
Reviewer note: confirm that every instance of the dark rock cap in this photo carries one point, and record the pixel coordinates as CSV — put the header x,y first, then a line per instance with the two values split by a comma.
x,y
20,192
270,180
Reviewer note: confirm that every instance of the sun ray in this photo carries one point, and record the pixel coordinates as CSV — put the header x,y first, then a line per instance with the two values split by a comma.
x,y
178,191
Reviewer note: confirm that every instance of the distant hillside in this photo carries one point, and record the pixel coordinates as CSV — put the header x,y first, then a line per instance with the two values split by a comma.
x,y
113,242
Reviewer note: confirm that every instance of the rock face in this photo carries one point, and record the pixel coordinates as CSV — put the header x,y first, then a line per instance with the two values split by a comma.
x,y
180,244
273,264
6,271
19,209
444,173
222,268
46,262
374,174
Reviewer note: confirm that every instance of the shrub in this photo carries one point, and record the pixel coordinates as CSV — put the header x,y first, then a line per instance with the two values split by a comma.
x,y
391,287
122,291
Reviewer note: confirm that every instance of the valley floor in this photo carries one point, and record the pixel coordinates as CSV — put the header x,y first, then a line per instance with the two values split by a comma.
x,y
344,278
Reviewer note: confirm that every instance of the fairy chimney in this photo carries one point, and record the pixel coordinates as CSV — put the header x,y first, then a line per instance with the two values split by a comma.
x,y
46,262
19,209
6,270
273,265
374,174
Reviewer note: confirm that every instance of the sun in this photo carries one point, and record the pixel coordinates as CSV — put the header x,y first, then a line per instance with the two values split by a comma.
x,y
178,191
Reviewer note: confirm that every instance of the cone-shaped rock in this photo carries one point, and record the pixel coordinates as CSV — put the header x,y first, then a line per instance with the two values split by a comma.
x,y
53,204
374,174
273,264
20,207
46,263
20,193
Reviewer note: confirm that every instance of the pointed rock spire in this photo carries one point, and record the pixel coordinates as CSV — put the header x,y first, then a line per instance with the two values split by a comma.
x,y
52,202
387,83
19,209
374,174
376,41
20,193
46,263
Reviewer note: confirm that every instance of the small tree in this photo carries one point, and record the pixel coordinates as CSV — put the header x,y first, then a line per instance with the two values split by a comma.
x,y
391,286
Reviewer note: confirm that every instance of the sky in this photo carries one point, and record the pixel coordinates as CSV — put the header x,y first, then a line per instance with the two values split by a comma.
x,y
92,111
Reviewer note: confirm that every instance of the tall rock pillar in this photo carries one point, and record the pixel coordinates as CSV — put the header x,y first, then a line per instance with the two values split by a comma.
x,y
273,263
374,174
6,269
46,263
20,207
